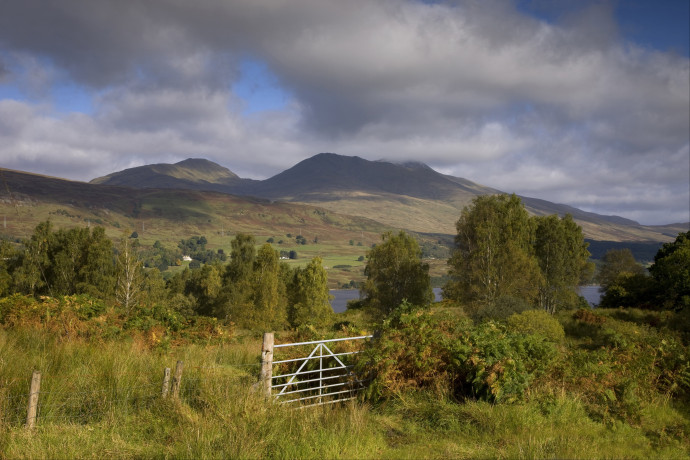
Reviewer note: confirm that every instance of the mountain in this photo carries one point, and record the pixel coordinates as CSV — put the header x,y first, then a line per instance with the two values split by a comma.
x,y
327,176
192,173
166,214
409,196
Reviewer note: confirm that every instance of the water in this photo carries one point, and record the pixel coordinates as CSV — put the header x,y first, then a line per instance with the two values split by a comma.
x,y
591,294
341,296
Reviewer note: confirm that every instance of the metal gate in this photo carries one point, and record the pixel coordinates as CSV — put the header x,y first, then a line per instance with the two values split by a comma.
x,y
322,377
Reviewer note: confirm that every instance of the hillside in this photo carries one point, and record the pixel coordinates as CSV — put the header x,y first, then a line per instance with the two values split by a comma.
x,y
409,196
169,215
192,173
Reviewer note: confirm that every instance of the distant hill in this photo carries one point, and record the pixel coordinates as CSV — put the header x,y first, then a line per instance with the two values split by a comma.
x,y
192,173
326,175
409,196
166,214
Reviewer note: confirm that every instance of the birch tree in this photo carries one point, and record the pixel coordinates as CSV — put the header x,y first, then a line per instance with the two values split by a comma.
x,y
493,260
129,275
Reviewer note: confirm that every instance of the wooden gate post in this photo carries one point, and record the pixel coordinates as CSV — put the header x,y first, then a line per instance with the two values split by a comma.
x,y
267,363
166,382
32,409
177,380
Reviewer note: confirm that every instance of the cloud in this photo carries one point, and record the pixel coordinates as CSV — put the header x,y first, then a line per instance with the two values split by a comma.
x,y
479,89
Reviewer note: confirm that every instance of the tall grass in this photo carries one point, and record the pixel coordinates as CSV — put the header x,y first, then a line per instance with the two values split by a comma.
x,y
103,400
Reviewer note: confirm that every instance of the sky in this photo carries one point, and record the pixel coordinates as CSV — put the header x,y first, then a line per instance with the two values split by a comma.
x,y
582,102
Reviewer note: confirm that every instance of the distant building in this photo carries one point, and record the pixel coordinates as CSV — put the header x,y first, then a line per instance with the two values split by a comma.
x,y
186,258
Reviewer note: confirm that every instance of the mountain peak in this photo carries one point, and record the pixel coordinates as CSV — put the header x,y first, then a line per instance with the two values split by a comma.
x,y
183,174
212,171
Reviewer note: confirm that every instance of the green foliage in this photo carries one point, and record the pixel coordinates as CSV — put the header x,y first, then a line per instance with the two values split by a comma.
x,y
537,322
416,349
617,264
626,284
64,262
8,260
506,261
161,257
629,290
563,259
241,257
309,296
671,271
195,247
205,286
269,293
396,273
620,365
494,257
501,308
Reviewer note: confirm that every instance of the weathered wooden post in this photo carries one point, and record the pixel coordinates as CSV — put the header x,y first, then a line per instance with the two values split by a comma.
x,y
267,363
177,380
166,382
32,409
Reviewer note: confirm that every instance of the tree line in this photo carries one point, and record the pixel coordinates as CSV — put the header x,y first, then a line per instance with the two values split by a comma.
x,y
664,286
254,290
506,261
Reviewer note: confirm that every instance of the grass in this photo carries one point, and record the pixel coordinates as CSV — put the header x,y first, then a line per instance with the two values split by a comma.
x,y
103,400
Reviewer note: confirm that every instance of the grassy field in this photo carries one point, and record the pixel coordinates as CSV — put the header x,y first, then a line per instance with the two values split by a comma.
x,y
101,398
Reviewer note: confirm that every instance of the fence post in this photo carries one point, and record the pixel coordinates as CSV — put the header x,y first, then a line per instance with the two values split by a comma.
x,y
166,382
267,363
177,380
32,409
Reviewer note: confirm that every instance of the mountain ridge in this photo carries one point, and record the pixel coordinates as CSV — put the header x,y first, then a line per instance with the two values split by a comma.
x,y
409,195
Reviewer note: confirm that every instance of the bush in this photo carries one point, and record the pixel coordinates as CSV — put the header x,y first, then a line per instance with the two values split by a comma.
x,y
587,316
537,322
419,349
502,308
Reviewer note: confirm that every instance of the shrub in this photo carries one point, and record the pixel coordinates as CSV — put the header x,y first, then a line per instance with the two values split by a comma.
x,y
587,316
502,308
419,349
537,322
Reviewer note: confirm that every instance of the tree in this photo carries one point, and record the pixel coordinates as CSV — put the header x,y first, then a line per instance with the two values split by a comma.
x,y
494,259
97,274
66,254
129,275
236,302
241,257
268,292
8,260
623,281
309,297
563,258
206,285
617,263
671,272
30,276
153,287
395,272
66,262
